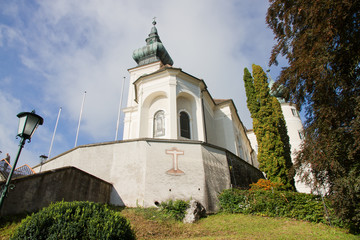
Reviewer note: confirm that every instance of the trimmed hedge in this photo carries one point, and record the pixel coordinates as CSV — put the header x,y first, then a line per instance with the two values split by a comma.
x,y
74,220
289,204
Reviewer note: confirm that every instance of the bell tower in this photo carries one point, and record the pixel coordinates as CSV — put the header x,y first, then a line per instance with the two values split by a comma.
x,y
149,58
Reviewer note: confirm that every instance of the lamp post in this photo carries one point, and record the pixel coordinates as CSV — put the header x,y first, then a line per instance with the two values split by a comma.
x,y
28,122
42,160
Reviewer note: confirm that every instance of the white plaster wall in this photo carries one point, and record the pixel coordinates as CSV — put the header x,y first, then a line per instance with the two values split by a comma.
x,y
255,159
179,93
225,129
159,102
189,95
127,173
250,152
152,87
210,123
244,148
294,126
138,170
137,72
153,95
184,85
252,137
78,158
127,123
187,104
122,164
131,123
161,186
132,115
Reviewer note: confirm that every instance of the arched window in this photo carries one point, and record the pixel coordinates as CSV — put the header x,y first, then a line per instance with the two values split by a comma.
x,y
159,124
184,125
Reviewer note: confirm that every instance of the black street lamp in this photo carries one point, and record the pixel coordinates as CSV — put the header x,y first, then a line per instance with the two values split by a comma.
x,y
28,122
42,160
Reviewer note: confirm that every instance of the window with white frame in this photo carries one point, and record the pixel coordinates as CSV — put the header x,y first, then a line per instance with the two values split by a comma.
x,y
159,124
185,125
294,112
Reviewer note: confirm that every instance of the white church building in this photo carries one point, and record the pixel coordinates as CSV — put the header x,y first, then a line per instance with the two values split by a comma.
x,y
178,142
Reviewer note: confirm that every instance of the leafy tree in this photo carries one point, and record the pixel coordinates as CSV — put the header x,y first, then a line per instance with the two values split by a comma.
x,y
278,118
321,41
270,129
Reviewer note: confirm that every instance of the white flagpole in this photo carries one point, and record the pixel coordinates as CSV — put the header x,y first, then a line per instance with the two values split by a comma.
x,y
77,132
52,140
119,112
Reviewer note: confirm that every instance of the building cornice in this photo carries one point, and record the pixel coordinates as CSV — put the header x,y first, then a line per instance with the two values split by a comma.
x,y
160,140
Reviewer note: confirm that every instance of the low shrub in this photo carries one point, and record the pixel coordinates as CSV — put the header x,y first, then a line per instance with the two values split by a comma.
x,y
289,204
265,184
74,220
175,209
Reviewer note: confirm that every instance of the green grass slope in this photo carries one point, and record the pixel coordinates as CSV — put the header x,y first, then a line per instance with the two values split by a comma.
x,y
148,224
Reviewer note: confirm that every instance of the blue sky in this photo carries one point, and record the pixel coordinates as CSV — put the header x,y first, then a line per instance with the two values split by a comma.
x,y
53,51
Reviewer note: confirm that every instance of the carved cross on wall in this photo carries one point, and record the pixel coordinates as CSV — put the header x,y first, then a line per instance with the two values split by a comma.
x,y
175,153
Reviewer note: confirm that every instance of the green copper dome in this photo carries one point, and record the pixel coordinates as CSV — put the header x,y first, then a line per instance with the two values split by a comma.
x,y
278,93
153,51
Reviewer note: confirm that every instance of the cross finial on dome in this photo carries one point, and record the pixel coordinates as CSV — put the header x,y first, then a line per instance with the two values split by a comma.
x,y
153,51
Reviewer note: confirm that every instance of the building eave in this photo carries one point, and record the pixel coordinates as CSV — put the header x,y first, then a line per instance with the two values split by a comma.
x,y
171,71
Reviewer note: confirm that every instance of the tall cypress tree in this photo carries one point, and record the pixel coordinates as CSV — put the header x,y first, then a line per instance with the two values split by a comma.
x,y
285,147
270,129
251,101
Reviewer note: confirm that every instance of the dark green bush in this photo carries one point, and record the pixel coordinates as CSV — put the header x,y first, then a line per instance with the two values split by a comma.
x,y
289,204
74,220
175,208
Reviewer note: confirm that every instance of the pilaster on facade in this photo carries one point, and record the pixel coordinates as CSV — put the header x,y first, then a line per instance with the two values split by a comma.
x,y
128,120
139,111
173,111
201,117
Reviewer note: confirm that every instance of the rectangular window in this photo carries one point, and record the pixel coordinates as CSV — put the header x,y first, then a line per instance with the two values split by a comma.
x,y
301,135
294,112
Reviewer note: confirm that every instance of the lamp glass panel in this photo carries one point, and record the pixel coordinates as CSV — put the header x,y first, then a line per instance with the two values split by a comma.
x,y
31,124
22,121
